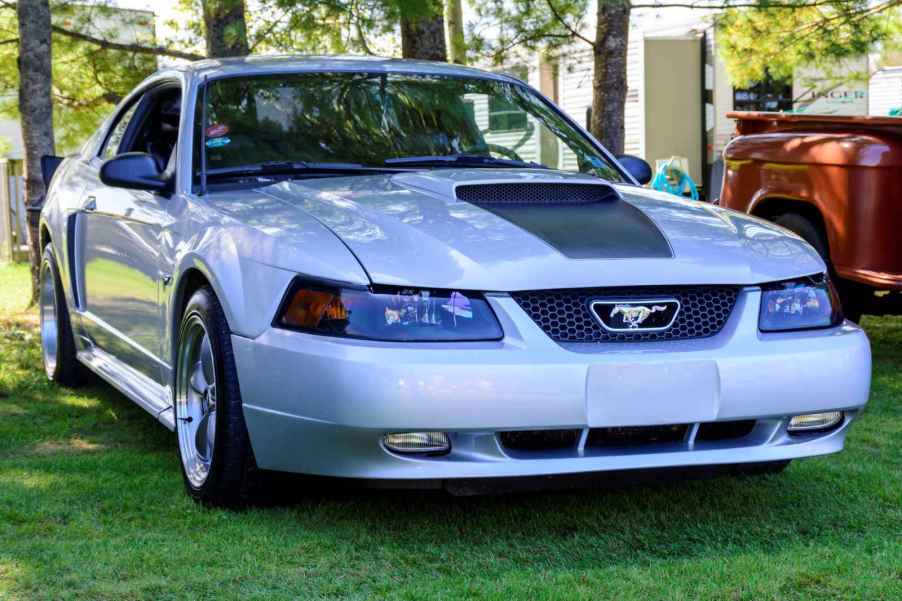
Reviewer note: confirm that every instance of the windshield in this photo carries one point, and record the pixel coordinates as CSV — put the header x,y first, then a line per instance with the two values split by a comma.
x,y
387,120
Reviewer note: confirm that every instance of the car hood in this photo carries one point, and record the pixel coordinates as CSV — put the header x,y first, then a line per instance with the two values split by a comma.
x,y
412,229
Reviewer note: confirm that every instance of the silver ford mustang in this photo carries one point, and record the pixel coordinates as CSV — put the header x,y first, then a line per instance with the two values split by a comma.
x,y
424,274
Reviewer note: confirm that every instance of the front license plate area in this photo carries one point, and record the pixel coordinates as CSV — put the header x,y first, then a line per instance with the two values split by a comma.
x,y
649,394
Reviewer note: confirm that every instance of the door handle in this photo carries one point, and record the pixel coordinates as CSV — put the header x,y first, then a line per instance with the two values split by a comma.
x,y
89,205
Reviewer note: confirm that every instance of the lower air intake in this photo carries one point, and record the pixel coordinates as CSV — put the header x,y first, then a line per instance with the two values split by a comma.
x,y
539,440
636,436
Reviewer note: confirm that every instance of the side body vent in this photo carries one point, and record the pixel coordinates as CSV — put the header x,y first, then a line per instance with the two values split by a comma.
x,y
522,193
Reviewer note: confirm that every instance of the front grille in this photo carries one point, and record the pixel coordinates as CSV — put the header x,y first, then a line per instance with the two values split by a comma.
x,y
715,431
665,437
566,317
636,435
539,440
535,193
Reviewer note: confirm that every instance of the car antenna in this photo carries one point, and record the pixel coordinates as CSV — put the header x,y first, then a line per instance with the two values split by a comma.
x,y
203,138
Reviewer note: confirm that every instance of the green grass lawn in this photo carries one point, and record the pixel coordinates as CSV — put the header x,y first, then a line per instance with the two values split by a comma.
x,y
92,507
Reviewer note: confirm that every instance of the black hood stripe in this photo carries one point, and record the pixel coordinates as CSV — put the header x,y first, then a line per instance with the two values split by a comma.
x,y
607,228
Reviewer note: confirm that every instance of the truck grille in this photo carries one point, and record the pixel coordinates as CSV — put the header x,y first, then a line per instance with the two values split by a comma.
x,y
565,315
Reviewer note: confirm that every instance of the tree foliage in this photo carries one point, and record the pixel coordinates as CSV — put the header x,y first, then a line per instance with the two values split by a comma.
x,y
88,81
506,26
776,40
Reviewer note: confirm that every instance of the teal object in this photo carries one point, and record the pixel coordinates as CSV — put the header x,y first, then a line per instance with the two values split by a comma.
x,y
684,182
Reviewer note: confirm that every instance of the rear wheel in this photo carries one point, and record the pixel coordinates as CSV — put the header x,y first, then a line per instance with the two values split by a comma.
x,y
216,456
852,295
57,343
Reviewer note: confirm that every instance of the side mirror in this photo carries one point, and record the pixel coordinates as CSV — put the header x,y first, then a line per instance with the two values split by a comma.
x,y
638,168
135,171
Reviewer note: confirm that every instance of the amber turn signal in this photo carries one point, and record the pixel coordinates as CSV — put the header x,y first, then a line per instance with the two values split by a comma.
x,y
309,308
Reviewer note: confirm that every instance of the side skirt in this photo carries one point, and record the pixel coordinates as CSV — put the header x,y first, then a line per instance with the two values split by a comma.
x,y
143,391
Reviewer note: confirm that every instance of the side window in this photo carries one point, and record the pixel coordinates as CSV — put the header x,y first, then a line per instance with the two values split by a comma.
x,y
113,141
157,131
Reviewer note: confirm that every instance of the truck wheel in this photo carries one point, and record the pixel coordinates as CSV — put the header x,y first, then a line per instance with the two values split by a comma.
x,y
809,232
851,294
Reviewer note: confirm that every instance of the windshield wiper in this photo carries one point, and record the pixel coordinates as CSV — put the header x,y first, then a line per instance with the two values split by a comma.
x,y
462,160
296,167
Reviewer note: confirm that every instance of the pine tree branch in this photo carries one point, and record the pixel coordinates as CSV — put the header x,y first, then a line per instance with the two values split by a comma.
x,y
108,45
560,19
135,48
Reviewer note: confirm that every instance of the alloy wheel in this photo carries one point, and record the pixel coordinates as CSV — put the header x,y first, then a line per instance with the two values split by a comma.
x,y
195,406
49,323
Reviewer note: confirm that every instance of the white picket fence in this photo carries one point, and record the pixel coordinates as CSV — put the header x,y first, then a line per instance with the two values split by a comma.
x,y
13,218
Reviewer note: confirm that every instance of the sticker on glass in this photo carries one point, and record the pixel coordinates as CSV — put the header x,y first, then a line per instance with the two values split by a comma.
x,y
218,142
217,130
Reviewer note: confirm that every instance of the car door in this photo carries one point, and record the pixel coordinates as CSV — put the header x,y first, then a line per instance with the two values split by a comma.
x,y
123,268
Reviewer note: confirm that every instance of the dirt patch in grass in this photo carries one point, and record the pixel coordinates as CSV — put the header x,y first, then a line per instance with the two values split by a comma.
x,y
73,445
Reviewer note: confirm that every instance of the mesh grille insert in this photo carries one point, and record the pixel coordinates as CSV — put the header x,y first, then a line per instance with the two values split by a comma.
x,y
535,193
713,431
539,440
566,317
636,435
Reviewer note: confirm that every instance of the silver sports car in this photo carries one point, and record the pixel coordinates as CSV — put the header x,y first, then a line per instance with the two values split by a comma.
x,y
424,274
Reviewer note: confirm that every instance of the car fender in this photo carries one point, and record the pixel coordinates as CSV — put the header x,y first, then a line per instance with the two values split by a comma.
x,y
248,291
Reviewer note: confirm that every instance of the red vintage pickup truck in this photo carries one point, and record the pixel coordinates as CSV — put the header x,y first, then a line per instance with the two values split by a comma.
x,y
837,183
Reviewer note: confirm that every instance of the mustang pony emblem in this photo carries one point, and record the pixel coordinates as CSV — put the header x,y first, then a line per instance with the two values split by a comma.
x,y
634,315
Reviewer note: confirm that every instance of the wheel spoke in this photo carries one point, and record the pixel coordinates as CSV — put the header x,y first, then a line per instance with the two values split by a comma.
x,y
206,359
198,380
211,433
202,438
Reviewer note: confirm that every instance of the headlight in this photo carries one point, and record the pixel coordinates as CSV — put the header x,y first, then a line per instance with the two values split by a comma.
x,y
799,305
396,314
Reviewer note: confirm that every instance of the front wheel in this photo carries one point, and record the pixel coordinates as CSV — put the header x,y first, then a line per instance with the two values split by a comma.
x,y
214,447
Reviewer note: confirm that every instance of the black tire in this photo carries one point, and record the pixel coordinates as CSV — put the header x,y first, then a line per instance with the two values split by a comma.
x,y
61,366
233,479
852,296
809,232
760,469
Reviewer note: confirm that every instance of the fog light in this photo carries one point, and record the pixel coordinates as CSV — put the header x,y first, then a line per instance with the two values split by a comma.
x,y
418,442
814,421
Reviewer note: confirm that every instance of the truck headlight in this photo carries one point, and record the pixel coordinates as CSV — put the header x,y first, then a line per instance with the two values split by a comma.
x,y
390,314
803,304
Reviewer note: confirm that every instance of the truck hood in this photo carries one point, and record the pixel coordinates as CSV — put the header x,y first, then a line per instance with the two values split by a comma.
x,y
413,229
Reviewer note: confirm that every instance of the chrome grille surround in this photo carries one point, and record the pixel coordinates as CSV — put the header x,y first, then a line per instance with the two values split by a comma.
x,y
566,315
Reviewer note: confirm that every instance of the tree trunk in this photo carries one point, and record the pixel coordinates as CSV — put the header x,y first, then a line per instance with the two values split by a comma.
x,y
609,77
225,28
423,34
35,108
454,21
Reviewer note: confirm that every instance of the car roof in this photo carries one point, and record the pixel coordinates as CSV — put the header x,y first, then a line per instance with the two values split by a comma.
x,y
262,65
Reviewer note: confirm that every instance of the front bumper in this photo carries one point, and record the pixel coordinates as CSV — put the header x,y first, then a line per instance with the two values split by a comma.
x,y
319,405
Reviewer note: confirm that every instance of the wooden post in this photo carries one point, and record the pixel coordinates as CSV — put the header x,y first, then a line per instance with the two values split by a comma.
x,y
6,224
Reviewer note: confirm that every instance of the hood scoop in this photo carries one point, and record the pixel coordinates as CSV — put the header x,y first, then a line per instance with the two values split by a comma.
x,y
536,193
579,220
